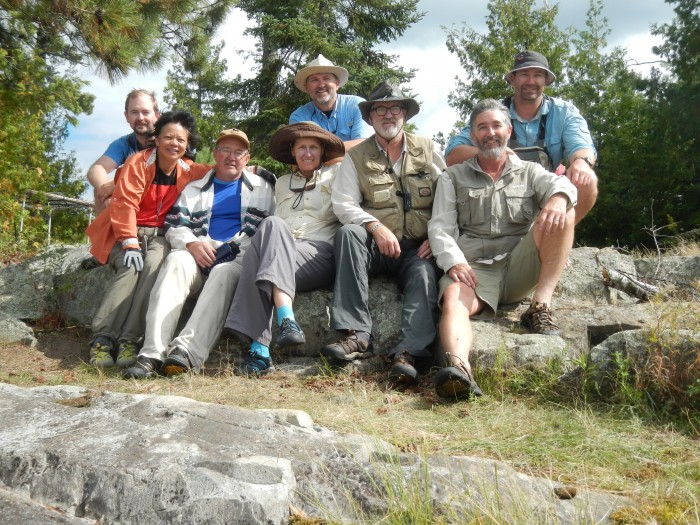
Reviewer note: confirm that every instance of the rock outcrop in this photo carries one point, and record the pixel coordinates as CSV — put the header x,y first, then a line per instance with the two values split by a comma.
x,y
117,458
70,456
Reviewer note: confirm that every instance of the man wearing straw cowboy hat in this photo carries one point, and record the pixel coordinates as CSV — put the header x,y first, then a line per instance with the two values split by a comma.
x,y
383,194
334,112
545,129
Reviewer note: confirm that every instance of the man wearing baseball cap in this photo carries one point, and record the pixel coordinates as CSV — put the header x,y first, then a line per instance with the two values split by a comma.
x,y
383,195
545,129
208,213
334,112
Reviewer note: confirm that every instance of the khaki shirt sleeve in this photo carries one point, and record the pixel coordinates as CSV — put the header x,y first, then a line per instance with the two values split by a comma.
x,y
443,230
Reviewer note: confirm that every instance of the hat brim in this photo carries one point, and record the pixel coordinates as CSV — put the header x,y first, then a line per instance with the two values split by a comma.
x,y
306,72
551,77
412,107
280,146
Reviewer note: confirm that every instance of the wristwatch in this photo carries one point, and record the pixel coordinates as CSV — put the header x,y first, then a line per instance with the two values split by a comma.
x,y
588,160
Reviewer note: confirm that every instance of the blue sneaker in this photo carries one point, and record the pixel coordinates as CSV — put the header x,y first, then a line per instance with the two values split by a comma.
x,y
254,365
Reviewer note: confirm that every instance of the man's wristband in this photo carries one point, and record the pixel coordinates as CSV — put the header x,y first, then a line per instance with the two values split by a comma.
x,y
373,228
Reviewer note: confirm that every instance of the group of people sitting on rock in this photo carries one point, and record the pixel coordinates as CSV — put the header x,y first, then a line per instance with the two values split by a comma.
x,y
362,197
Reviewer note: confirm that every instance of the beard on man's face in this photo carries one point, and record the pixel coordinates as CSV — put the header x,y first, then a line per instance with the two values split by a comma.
x,y
492,147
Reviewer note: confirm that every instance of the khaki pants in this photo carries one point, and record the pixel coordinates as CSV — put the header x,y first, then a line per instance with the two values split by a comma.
x,y
180,278
122,314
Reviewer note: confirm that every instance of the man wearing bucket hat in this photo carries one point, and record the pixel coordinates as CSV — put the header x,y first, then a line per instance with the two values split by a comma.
x,y
501,229
331,110
383,195
544,129
227,204
292,250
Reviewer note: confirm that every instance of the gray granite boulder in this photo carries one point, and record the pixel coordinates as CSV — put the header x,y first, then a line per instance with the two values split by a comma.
x,y
117,458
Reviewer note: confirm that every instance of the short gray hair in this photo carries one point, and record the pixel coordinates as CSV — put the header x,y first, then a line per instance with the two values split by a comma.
x,y
489,104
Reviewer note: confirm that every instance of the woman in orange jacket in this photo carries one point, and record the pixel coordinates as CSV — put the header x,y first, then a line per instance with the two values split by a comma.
x,y
129,236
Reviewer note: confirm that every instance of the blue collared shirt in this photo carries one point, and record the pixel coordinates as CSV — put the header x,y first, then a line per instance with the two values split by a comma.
x,y
566,130
345,121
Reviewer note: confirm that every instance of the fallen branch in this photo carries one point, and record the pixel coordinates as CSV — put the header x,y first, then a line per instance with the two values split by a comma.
x,y
628,284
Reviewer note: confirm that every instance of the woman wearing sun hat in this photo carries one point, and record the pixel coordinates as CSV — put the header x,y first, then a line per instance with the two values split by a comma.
x,y
292,250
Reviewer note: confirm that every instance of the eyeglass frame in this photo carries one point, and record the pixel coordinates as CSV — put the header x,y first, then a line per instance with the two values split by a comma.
x,y
238,155
389,109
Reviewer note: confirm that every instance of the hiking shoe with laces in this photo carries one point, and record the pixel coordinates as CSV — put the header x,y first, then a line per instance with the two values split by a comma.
x,y
145,368
538,320
127,354
101,353
349,348
254,365
177,362
290,334
403,369
456,381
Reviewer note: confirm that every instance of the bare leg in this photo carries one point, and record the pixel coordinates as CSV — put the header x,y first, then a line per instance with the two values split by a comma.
x,y
280,298
554,250
459,303
587,196
456,380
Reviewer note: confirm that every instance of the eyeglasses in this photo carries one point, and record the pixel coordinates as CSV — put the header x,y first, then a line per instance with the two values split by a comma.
x,y
381,110
238,154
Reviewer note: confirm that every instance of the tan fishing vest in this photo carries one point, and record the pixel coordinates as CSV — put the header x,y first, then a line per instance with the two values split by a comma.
x,y
401,203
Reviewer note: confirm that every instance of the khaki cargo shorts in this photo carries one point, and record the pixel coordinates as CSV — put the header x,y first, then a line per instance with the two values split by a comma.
x,y
506,281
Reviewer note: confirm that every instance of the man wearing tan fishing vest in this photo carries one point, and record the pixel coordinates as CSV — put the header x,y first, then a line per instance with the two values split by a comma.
x,y
383,195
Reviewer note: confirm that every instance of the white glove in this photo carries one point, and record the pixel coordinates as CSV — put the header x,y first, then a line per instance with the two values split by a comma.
x,y
133,256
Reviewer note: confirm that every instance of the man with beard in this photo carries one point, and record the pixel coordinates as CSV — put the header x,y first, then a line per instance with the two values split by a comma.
x,y
501,227
141,112
334,112
545,129
383,194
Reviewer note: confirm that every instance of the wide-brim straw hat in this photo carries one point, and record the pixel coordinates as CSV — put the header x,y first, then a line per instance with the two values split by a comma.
x,y
386,92
319,65
527,59
281,143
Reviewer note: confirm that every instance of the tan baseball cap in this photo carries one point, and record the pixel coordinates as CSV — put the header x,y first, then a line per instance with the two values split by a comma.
x,y
233,133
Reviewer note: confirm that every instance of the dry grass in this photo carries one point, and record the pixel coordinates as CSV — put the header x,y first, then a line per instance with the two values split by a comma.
x,y
618,448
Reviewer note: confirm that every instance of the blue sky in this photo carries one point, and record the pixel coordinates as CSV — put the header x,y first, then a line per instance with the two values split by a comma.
x,y
422,47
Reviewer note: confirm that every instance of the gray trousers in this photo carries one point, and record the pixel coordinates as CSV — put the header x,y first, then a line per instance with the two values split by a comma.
x,y
274,258
358,258
122,314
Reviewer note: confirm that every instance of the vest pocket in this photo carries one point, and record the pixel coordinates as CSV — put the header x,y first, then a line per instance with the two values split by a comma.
x,y
471,207
380,191
520,205
422,190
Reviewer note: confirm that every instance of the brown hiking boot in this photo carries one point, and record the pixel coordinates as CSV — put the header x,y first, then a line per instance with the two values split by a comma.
x,y
403,370
455,380
538,319
349,348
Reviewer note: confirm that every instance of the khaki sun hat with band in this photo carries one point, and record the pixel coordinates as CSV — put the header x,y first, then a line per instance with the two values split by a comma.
x,y
281,143
320,65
